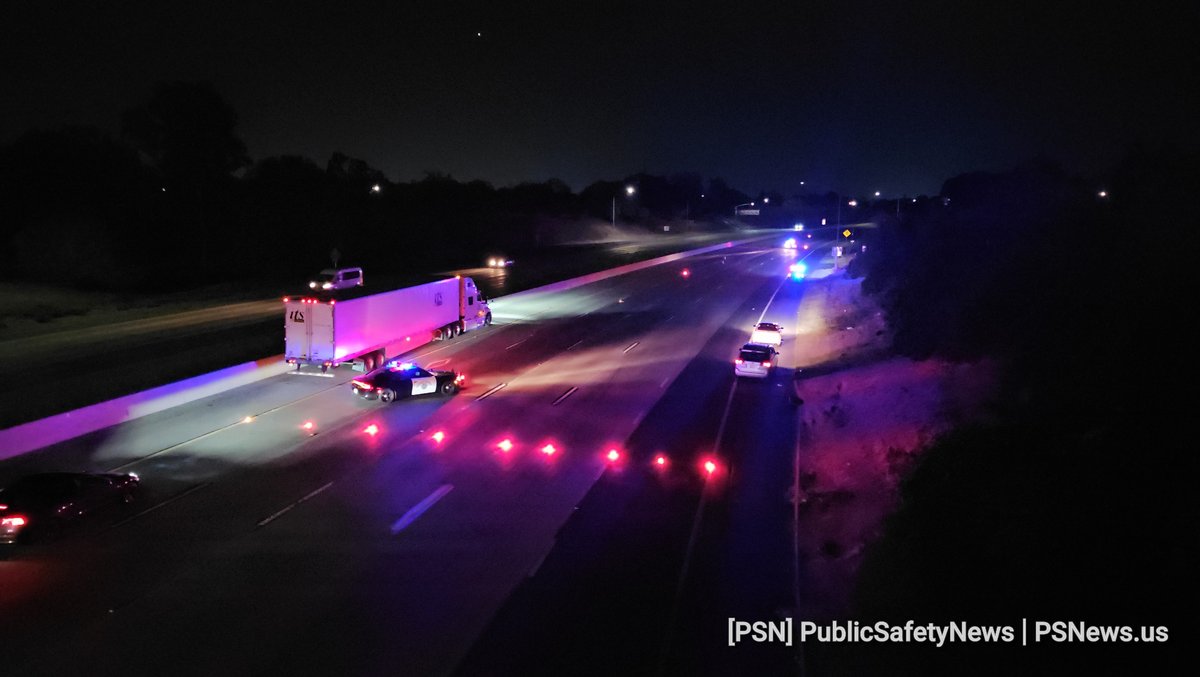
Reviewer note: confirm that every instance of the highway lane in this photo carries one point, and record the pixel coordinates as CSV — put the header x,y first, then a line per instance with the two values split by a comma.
x,y
644,575
311,537
118,358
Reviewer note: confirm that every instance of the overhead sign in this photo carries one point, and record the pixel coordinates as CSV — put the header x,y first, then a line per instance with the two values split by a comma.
x,y
747,212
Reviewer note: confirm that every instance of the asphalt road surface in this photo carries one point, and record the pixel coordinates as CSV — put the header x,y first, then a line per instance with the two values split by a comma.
x,y
96,363
262,547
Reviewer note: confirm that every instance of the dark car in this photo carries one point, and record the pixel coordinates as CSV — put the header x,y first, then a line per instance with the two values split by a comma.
x,y
394,381
40,506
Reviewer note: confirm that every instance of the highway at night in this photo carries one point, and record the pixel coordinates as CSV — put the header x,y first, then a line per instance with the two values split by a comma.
x,y
383,538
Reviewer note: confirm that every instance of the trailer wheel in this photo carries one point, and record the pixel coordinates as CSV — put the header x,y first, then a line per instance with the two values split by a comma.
x,y
488,319
387,395
449,388
458,328
450,333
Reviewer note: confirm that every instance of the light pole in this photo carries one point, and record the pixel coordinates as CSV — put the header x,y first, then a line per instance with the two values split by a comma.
x,y
629,191
744,204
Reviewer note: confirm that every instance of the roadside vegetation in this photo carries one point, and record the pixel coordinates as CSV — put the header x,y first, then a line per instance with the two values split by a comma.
x,y
175,202
1069,503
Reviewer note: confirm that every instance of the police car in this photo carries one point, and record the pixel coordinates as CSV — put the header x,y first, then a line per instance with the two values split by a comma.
x,y
397,380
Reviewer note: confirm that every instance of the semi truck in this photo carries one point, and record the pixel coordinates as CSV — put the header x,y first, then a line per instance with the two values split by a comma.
x,y
324,331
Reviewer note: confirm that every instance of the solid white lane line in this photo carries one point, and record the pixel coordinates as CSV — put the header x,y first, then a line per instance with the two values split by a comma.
x,y
565,395
689,551
575,344
518,343
489,392
766,307
156,506
307,496
420,508
631,347
536,567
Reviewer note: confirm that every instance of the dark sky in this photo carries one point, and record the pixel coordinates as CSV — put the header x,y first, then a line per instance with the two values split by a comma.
x,y
847,96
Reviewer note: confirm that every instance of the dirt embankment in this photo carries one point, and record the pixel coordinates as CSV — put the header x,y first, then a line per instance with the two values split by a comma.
x,y
866,415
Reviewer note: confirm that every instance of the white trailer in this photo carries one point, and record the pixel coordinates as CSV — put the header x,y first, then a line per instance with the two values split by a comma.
x,y
363,331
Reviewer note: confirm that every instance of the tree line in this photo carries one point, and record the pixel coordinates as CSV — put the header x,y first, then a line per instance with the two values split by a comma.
x,y
1071,500
176,201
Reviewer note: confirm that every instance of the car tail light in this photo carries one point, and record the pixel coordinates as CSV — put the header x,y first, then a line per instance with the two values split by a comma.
x,y
13,521
361,385
461,378
438,436
660,461
738,361
549,450
710,467
766,364
371,430
505,445
613,456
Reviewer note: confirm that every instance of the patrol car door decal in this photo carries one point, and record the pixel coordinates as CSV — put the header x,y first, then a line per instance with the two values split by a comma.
x,y
424,384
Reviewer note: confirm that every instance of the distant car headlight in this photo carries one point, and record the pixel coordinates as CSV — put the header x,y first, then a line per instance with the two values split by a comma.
x,y
312,285
327,285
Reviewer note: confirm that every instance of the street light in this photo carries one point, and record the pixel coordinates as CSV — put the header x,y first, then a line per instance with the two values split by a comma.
x,y
744,204
629,191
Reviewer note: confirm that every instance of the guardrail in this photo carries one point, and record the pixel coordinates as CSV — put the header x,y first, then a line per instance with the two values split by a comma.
x,y
33,435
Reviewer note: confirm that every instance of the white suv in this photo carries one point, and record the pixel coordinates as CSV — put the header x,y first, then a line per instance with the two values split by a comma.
x,y
337,278
754,360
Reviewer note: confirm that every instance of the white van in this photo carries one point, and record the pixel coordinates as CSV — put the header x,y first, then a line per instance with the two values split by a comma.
x,y
337,278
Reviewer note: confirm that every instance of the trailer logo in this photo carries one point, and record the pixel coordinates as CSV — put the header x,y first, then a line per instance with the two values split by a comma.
x,y
437,298
296,316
